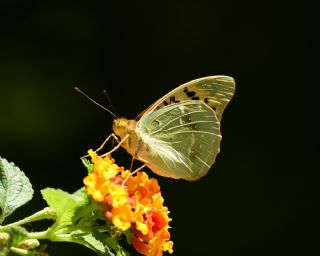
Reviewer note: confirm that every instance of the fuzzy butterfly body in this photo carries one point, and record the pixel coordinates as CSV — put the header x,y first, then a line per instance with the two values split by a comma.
x,y
179,135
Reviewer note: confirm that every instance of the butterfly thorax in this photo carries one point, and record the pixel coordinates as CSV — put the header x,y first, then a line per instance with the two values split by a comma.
x,y
123,127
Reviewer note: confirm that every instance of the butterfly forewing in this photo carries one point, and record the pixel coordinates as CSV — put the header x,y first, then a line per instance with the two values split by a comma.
x,y
215,91
182,139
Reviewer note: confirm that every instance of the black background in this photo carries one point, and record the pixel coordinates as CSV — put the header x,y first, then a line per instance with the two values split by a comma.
x,y
261,198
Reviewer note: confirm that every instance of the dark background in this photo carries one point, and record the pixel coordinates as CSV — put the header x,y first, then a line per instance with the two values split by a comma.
x,y
261,198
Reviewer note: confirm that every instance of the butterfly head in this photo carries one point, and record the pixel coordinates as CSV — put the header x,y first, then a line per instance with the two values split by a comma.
x,y
120,127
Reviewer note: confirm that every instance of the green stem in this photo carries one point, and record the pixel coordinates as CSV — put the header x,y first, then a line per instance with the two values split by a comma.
x,y
38,235
46,213
62,238
20,251
52,237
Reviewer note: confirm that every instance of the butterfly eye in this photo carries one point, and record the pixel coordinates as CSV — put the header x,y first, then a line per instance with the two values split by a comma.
x,y
119,126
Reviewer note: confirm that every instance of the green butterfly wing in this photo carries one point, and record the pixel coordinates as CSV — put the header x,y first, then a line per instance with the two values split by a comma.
x,y
180,140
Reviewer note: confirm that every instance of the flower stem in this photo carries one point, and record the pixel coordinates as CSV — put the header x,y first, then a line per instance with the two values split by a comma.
x,y
46,213
38,235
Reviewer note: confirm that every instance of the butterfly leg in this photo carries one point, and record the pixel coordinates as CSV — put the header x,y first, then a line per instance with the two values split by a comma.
x,y
116,147
112,135
131,164
134,172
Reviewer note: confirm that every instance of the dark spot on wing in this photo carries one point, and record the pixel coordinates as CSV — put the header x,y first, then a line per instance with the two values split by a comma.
x,y
156,122
170,100
192,155
195,98
190,94
206,100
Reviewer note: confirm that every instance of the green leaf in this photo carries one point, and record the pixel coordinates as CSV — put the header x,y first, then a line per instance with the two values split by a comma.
x,y
15,188
94,240
64,204
104,244
80,220
88,213
18,234
113,243
87,164
128,235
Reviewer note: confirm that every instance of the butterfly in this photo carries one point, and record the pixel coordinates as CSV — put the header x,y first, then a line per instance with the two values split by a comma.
x,y
179,136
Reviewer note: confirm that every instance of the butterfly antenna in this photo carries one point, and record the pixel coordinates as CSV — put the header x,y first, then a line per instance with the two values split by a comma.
x,y
81,92
105,92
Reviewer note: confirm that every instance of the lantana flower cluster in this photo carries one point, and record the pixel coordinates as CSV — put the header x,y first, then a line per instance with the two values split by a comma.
x,y
131,202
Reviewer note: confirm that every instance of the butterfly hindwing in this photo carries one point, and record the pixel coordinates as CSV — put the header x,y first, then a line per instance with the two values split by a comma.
x,y
182,139
215,91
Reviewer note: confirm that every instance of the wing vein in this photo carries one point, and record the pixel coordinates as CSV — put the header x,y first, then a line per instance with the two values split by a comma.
x,y
202,161
161,128
198,132
186,124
